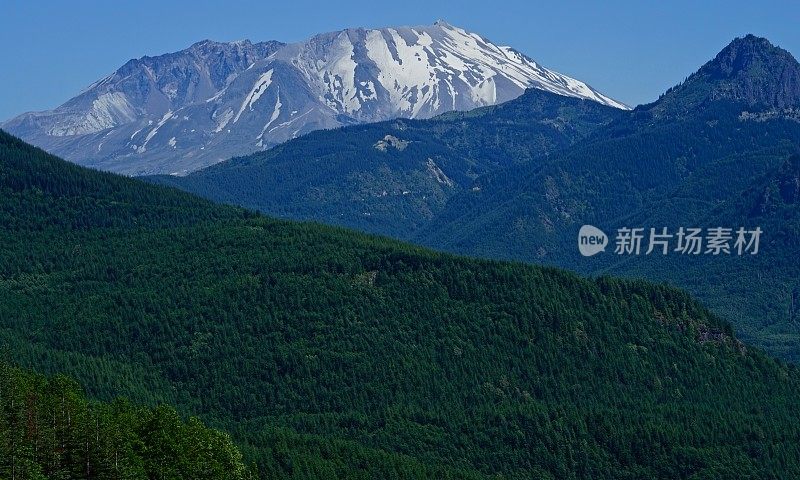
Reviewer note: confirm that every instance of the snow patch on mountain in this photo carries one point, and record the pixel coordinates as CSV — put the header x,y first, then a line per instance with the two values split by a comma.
x,y
276,111
258,89
152,133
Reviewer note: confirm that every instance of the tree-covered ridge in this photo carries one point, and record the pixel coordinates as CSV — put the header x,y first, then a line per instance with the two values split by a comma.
x,y
392,177
40,192
331,354
694,158
691,172
49,430
529,173
750,70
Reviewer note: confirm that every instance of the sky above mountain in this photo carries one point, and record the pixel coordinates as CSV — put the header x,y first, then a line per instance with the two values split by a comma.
x,y
631,51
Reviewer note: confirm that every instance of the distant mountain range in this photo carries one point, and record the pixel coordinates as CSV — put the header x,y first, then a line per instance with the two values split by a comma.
x,y
518,180
179,112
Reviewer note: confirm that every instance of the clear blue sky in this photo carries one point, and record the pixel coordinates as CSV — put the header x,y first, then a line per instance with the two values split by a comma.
x,y
630,50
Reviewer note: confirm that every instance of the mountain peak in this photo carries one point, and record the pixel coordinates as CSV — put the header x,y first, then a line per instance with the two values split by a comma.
x,y
213,43
182,111
753,71
204,43
749,41
749,55
749,71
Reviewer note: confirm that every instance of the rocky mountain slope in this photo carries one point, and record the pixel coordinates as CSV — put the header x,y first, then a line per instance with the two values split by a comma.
x,y
179,112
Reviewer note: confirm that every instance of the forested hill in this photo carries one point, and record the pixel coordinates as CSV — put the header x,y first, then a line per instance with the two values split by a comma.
x,y
49,430
329,354
42,192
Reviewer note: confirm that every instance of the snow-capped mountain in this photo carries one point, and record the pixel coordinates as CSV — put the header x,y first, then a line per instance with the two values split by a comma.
x,y
179,112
